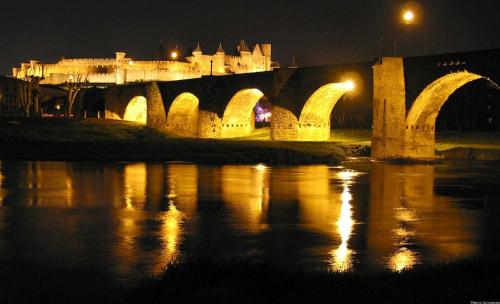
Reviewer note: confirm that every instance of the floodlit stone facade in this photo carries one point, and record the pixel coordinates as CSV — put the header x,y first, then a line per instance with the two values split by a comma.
x,y
123,69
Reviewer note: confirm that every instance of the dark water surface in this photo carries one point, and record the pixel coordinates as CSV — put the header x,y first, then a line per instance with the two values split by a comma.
x,y
120,222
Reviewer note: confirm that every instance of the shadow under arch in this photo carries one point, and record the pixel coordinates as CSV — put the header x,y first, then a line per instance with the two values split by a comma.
x,y
238,119
314,121
182,117
421,119
137,110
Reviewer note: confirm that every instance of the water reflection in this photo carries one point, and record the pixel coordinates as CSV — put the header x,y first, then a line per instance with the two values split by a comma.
x,y
342,256
245,189
135,185
409,224
131,219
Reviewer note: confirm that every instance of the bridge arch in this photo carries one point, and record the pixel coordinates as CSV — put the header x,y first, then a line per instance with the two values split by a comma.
x,y
137,110
182,117
421,118
314,120
238,119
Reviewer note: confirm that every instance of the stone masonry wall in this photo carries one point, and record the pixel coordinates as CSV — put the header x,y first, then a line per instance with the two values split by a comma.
x,y
389,112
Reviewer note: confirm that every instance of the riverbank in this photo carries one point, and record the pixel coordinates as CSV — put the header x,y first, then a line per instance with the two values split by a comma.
x,y
59,139
245,281
98,139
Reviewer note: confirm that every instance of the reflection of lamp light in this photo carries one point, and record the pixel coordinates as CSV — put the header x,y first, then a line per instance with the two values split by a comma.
x,y
342,256
261,167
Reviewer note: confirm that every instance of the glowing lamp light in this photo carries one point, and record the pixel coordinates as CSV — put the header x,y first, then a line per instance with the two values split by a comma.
x,y
349,85
174,55
131,63
408,16
261,167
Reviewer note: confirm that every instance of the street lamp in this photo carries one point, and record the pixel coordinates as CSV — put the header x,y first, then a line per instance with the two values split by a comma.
x,y
408,17
174,54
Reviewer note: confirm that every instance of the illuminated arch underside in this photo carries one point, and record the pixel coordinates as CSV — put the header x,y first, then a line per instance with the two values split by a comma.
x,y
137,110
425,109
237,119
314,121
182,118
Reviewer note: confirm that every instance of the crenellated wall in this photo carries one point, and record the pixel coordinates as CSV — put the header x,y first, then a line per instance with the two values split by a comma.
x,y
122,69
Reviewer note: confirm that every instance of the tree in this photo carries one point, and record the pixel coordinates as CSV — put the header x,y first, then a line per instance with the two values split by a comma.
x,y
29,95
74,86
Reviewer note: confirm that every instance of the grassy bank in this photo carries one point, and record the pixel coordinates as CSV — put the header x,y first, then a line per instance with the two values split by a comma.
x,y
244,281
61,139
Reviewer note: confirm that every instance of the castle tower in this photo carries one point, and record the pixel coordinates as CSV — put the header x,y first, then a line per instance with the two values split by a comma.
x,y
120,69
266,51
219,60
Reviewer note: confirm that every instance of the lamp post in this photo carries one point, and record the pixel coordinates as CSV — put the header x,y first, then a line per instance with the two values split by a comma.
x,y
407,18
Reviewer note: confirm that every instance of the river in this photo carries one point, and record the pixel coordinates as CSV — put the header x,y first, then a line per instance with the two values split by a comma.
x,y
123,221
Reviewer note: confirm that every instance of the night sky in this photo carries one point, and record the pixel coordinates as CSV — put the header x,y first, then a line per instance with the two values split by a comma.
x,y
315,31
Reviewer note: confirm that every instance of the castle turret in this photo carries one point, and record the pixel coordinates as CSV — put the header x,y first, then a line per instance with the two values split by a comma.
x,y
243,48
266,51
197,51
220,60
120,69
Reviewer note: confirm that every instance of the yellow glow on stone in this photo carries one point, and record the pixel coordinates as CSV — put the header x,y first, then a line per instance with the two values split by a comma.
x,y
237,119
182,118
425,109
137,110
314,121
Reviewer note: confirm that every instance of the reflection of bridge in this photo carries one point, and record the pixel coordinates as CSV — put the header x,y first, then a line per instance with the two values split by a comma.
x,y
407,96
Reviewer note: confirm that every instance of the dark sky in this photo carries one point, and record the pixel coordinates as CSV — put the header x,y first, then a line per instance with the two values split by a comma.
x,y
315,31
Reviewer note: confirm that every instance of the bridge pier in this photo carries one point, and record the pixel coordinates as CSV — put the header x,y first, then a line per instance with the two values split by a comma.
x,y
389,109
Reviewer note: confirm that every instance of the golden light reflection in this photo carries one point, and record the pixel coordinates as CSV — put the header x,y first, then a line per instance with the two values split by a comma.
x,y
246,190
342,256
171,231
69,192
403,259
135,185
261,167
183,187
137,110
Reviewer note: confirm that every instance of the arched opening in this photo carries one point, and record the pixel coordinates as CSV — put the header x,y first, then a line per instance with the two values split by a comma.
x,y
137,110
314,121
182,118
421,119
239,117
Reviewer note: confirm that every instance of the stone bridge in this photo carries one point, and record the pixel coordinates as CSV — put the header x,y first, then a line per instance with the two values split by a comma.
x,y
222,107
407,95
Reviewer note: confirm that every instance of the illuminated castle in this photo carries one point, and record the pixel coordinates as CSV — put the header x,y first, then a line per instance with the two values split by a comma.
x,y
122,69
